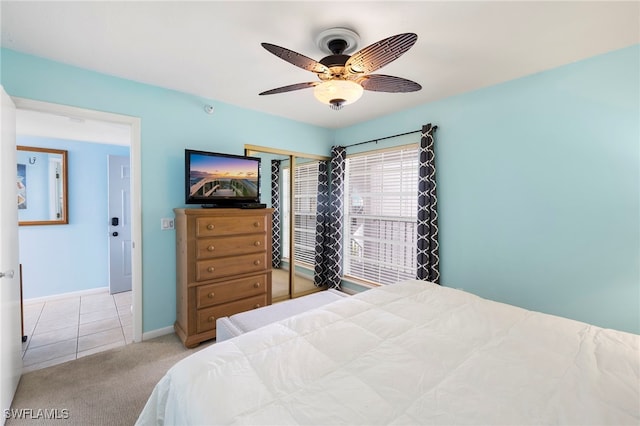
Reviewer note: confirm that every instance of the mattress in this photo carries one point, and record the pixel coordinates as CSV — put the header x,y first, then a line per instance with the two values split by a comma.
x,y
408,353
229,327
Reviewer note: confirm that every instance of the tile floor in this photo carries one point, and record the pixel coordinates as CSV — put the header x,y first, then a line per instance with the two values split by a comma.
x,y
62,330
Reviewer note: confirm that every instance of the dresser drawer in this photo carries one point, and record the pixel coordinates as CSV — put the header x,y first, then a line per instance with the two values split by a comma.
x,y
214,294
225,266
207,317
230,225
208,248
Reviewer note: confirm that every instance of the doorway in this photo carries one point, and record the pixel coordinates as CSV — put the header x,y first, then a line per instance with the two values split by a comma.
x,y
108,123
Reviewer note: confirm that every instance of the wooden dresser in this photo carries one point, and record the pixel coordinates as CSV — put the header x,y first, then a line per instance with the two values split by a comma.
x,y
223,267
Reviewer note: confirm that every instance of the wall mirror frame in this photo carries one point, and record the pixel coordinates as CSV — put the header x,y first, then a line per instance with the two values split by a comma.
x,y
299,281
42,186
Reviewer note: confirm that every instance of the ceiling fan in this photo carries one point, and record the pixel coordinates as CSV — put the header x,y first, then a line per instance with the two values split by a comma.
x,y
343,78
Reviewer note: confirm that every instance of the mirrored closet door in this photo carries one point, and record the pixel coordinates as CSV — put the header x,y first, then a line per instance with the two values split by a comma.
x,y
294,199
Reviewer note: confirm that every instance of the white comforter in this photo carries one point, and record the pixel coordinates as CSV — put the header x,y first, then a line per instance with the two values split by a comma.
x,y
407,354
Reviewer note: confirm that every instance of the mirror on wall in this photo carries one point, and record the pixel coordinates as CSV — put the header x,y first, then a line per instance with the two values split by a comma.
x,y
294,226
42,186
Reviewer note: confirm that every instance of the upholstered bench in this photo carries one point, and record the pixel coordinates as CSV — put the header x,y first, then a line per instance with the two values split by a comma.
x,y
235,325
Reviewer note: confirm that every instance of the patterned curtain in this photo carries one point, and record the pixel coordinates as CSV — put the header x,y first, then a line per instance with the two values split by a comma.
x,y
322,217
333,247
275,204
428,255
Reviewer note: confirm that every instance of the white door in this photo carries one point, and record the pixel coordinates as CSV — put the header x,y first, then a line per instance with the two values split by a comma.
x,y
10,320
120,271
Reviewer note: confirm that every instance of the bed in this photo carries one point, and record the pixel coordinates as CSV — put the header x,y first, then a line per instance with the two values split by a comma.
x,y
406,354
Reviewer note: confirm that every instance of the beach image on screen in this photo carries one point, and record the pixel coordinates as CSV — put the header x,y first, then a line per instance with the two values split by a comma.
x,y
223,177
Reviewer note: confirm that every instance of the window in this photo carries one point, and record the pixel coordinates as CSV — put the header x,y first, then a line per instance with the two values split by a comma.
x,y
381,204
304,214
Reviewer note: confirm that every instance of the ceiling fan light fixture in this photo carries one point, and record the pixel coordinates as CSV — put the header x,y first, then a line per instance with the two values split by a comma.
x,y
337,93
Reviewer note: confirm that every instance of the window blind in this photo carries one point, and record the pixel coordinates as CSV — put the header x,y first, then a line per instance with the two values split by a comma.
x,y
305,202
380,215
304,216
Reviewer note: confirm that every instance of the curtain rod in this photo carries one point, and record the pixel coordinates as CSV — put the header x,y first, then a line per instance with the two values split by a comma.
x,y
387,137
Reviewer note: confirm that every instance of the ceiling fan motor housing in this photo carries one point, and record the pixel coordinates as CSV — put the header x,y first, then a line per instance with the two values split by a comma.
x,y
338,59
334,60
335,63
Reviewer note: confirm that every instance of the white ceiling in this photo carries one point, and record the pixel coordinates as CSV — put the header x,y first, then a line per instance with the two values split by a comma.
x,y
49,125
212,48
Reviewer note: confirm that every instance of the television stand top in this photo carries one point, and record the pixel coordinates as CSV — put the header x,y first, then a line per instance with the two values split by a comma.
x,y
252,206
236,205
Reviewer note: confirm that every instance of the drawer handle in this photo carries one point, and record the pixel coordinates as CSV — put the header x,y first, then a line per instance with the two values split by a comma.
x,y
210,295
256,262
256,224
211,319
211,269
257,244
257,305
211,248
256,285
210,226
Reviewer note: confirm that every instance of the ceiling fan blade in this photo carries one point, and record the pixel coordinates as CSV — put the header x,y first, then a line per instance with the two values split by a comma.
x,y
388,83
296,59
379,54
290,88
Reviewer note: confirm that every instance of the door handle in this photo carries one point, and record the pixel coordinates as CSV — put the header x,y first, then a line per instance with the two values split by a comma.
x,y
8,274
114,221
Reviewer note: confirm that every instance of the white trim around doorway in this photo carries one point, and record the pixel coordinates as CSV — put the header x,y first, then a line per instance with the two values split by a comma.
x,y
136,187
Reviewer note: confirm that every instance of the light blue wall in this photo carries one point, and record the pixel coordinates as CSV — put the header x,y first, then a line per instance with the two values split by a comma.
x,y
538,177
171,121
538,188
65,258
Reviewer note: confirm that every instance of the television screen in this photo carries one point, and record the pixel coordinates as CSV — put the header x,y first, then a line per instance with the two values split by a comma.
x,y
216,179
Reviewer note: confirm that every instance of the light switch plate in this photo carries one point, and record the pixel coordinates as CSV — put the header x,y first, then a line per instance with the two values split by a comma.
x,y
166,223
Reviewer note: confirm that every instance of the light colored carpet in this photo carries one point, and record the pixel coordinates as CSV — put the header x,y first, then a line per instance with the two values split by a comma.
x,y
107,388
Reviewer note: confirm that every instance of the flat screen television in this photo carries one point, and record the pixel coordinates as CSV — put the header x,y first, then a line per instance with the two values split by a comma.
x,y
213,179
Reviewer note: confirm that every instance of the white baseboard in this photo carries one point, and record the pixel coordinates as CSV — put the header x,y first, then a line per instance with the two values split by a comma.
x,y
67,295
157,333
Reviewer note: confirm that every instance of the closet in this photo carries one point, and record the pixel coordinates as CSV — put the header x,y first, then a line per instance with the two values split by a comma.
x,y
294,178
